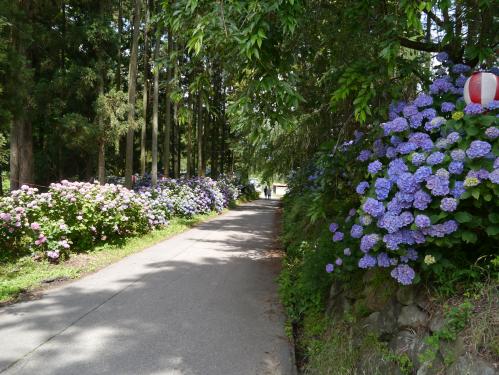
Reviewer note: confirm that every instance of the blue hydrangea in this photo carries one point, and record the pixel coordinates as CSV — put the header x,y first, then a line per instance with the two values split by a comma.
x,y
422,174
435,158
391,152
399,125
338,236
421,200
339,261
368,241
373,207
367,261
416,120
458,155
442,56
405,148
429,113
407,183
396,168
410,110
448,204
329,268
333,227
458,189
439,186
423,100
422,221
394,206
447,107
404,274
435,123
442,230
382,188
441,85
383,260
492,132
456,167
494,176
460,68
365,220
473,109
478,149
410,254
390,222
356,231
374,167
453,137
494,104
362,187
461,81
417,158
364,155
406,218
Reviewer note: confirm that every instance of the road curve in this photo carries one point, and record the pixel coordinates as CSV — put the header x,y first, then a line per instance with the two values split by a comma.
x,y
201,303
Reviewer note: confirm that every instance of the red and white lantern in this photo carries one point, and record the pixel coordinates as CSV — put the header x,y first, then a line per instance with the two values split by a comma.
x,y
481,88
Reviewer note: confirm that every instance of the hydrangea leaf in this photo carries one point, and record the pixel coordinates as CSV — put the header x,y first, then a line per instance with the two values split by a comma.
x,y
492,230
468,236
463,217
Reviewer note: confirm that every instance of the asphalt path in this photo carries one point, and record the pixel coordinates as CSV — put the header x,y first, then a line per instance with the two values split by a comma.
x,y
201,303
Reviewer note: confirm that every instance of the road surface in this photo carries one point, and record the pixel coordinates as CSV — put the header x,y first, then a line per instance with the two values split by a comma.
x,y
201,303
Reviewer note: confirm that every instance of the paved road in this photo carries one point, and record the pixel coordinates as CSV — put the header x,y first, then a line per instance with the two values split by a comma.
x,y
203,302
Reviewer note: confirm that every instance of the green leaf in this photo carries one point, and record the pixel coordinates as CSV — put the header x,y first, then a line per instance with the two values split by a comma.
x,y
468,236
476,194
492,230
463,217
494,218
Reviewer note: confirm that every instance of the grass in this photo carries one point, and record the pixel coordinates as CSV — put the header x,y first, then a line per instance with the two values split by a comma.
x,y
25,275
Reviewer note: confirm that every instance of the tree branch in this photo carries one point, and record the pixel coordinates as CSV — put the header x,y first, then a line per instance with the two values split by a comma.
x,y
434,18
420,46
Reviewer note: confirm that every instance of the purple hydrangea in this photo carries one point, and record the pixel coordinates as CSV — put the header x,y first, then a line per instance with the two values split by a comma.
x,y
364,155
368,241
382,188
496,163
441,143
391,152
373,207
396,168
356,231
478,149
329,268
406,218
421,200
406,148
448,204
435,158
442,230
395,141
374,167
338,261
422,221
383,260
492,132
367,261
447,107
338,236
365,220
456,167
394,206
417,158
333,227
362,187
390,222
458,155
423,100
399,125
403,274
352,212
473,109
410,254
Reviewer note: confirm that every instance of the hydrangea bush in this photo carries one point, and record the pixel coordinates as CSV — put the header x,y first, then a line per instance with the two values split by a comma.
x,y
75,216
431,186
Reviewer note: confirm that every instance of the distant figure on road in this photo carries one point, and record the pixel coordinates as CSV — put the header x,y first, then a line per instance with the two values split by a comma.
x,y
266,191
269,192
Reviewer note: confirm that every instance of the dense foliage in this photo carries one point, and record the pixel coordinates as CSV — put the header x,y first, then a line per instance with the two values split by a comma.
x,y
76,216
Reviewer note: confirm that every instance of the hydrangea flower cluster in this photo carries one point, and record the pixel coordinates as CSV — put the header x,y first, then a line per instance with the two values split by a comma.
x,y
73,216
435,156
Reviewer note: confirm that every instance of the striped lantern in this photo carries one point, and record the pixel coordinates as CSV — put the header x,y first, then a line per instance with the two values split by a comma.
x,y
481,88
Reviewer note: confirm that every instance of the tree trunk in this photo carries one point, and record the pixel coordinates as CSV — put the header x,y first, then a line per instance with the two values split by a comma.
x,y
143,133
166,141
118,59
101,164
132,81
189,142
201,172
154,168
223,151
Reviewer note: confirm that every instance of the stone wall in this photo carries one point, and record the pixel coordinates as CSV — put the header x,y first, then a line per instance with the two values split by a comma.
x,y
402,318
